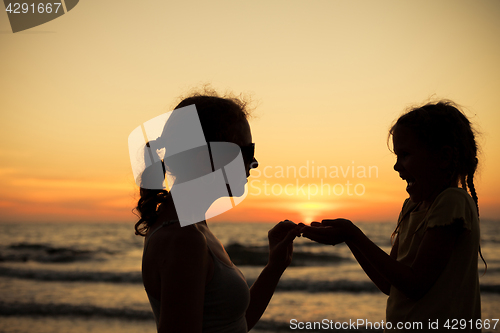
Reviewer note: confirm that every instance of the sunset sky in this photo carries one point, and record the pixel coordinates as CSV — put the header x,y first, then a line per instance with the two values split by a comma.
x,y
326,77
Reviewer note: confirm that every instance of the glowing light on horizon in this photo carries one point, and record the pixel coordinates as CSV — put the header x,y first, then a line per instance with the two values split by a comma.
x,y
312,209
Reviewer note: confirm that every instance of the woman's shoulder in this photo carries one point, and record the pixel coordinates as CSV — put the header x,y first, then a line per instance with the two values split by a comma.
x,y
176,239
174,255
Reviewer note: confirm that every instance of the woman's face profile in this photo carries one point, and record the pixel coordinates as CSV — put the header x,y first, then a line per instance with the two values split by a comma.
x,y
246,140
233,155
242,139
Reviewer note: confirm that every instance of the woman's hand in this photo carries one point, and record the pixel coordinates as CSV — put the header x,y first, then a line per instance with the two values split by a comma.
x,y
330,232
280,256
281,238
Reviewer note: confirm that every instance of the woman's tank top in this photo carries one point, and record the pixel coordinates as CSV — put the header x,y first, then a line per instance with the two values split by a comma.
x,y
226,298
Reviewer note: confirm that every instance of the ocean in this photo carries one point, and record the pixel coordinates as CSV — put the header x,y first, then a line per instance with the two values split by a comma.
x,y
76,278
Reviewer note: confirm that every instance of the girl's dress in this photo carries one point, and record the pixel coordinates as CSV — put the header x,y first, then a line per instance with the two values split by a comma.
x,y
455,295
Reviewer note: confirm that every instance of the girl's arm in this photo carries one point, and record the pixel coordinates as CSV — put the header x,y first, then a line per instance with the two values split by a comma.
x,y
280,256
380,281
183,272
414,280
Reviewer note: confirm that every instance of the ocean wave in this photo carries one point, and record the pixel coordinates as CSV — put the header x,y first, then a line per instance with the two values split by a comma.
x,y
135,277
37,309
490,288
327,286
290,285
71,276
62,310
23,252
242,255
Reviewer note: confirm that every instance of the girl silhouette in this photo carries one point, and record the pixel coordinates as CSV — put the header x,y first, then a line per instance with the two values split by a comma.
x,y
431,273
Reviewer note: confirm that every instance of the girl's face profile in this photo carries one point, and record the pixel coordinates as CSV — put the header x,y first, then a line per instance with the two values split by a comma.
x,y
418,166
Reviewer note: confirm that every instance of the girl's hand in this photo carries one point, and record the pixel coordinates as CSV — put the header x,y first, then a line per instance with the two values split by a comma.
x,y
330,232
281,238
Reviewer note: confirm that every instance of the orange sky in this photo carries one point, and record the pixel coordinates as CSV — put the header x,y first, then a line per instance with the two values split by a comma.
x,y
327,78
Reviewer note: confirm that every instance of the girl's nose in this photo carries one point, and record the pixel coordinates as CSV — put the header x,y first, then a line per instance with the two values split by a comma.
x,y
254,164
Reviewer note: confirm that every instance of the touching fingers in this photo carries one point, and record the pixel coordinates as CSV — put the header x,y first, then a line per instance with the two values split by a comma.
x,y
286,224
291,235
310,232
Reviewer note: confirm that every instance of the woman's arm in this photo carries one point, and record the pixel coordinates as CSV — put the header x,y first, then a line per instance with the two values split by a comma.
x,y
183,272
415,280
280,256
261,292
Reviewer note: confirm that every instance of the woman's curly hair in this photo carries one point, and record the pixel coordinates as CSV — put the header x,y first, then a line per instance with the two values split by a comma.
x,y
221,118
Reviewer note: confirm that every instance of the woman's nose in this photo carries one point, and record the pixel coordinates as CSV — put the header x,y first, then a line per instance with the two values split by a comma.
x,y
397,165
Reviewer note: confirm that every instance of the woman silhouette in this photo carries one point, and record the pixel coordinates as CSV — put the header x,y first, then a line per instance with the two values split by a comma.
x,y
189,278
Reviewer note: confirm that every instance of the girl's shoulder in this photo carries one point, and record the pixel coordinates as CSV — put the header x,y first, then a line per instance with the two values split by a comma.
x,y
452,196
408,207
452,205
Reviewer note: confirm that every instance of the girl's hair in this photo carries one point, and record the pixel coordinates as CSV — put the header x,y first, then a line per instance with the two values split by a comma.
x,y
439,125
442,125
221,118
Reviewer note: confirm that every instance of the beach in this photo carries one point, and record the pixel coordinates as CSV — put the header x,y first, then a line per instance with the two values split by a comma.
x,y
86,277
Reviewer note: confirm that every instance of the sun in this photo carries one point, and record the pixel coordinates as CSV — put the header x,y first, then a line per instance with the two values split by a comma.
x,y
308,219
312,210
